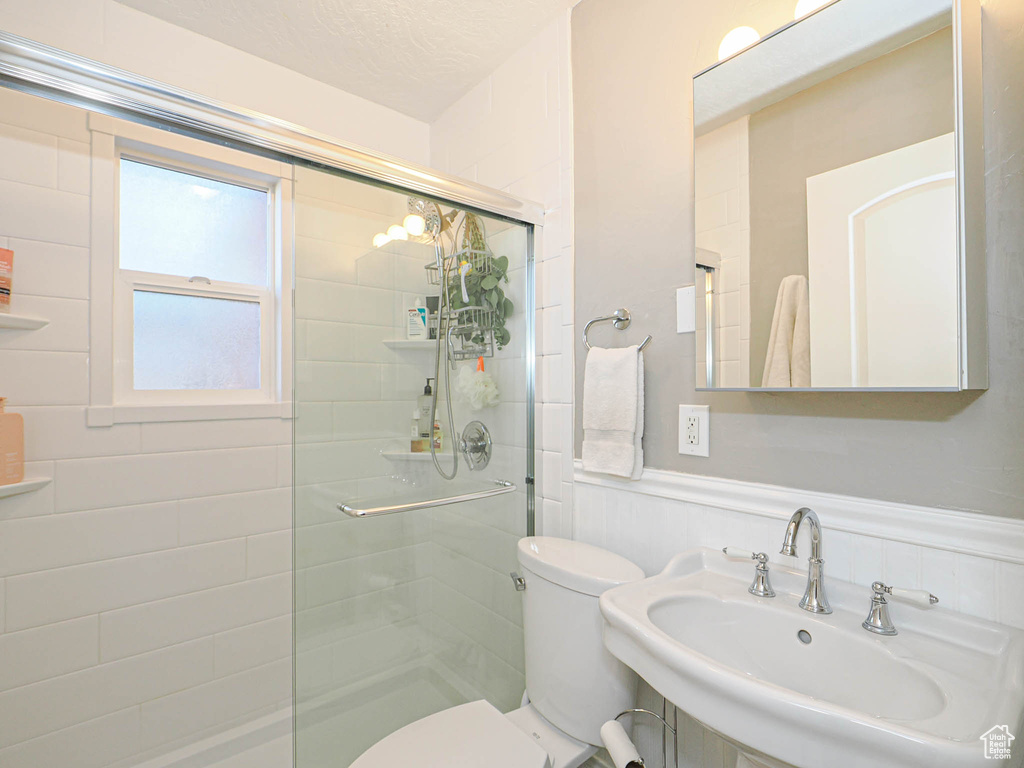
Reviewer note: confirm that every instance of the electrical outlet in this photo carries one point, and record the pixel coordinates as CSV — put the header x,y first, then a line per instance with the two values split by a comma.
x,y
694,430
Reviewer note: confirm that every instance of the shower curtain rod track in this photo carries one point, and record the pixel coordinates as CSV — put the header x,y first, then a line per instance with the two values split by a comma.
x,y
39,69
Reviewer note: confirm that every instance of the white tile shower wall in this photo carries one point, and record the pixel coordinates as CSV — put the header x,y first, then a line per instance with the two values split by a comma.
x,y
360,584
381,596
475,621
513,131
650,526
145,594
722,218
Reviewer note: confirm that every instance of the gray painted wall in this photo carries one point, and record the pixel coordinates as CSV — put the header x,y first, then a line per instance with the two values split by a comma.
x,y
894,101
634,239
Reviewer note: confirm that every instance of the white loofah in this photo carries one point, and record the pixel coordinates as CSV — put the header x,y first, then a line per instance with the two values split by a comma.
x,y
477,387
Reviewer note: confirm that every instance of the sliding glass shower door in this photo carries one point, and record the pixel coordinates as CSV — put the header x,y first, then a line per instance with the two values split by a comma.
x,y
403,601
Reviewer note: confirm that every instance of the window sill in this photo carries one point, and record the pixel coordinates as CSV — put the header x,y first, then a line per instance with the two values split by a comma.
x,y
107,415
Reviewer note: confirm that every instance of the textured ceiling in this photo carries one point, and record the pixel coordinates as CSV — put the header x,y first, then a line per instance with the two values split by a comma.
x,y
415,56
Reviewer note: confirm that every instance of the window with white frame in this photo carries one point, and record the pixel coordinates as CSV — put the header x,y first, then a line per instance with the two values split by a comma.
x,y
199,301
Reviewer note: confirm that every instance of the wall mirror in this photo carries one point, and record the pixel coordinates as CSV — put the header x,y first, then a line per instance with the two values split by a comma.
x,y
839,203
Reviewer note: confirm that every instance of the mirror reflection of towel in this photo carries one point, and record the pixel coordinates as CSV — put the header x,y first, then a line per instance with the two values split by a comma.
x,y
788,362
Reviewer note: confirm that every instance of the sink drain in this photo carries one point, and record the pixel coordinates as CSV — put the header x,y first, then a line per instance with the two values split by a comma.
x,y
804,636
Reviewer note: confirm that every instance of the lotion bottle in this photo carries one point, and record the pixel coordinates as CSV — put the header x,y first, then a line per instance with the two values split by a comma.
x,y
12,446
417,321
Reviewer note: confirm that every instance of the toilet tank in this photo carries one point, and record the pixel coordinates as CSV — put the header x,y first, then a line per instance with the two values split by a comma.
x,y
571,679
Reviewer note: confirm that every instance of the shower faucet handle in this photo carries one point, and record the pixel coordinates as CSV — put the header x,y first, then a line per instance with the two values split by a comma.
x,y
762,585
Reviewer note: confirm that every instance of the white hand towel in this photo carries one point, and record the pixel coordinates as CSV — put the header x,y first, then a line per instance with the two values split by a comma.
x,y
613,412
788,361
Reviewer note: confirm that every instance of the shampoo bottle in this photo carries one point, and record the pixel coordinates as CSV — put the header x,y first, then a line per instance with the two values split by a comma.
x,y
6,278
12,446
423,403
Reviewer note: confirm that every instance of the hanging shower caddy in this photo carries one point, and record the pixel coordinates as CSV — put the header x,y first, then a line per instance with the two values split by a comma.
x,y
473,330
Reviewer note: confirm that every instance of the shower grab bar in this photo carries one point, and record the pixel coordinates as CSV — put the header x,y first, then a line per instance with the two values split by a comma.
x,y
501,487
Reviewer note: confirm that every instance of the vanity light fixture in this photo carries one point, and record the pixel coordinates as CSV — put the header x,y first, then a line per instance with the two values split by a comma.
x,y
413,225
804,7
736,41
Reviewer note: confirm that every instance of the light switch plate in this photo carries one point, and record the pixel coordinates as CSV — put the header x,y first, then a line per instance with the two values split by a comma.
x,y
686,309
701,414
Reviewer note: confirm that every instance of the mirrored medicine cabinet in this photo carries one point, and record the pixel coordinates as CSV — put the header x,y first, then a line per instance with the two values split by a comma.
x,y
839,204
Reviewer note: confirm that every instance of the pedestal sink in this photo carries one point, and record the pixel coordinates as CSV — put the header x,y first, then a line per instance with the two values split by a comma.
x,y
791,688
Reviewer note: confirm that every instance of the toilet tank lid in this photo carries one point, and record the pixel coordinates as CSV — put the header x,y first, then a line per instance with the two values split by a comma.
x,y
575,565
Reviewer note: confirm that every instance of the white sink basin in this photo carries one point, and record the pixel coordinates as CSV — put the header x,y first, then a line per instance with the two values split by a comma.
x,y
839,697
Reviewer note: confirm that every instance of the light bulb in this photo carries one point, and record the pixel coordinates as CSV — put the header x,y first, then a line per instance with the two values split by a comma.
x,y
397,232
804,7
736,41
414,224
380,240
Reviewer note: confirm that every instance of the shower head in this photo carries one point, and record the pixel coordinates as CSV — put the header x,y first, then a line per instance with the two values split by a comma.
x,y
433,221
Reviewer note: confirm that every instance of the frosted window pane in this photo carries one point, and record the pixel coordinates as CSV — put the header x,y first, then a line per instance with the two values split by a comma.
x,y
192,342
175,223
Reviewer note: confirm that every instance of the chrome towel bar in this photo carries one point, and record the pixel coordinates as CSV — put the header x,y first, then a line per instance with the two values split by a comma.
x,y
621,319
500,487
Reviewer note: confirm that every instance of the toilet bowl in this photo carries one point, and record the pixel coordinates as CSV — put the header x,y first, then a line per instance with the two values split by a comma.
x,y
573,684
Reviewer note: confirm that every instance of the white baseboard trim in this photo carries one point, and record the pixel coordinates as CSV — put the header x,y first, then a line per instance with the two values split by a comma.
x,y
997,538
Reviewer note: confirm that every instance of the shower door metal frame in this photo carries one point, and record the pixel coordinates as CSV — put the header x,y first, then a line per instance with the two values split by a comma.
x,y
33,67
42,70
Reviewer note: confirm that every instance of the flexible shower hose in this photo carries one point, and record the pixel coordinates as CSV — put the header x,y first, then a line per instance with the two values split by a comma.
x,y
442,340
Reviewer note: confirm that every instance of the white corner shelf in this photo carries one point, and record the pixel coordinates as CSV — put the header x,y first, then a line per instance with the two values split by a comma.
x,y
25,486
22,322
424,344
406,456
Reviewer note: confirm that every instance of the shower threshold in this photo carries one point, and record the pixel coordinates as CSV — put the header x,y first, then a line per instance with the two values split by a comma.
x,y
336,728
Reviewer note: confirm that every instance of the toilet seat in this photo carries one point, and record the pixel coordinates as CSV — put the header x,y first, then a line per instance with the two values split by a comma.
x,y
474,735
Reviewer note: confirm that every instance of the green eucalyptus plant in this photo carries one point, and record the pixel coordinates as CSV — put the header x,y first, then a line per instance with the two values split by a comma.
x,y
483,283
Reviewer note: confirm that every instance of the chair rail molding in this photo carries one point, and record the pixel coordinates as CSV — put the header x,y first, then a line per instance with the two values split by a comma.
x,y
996,538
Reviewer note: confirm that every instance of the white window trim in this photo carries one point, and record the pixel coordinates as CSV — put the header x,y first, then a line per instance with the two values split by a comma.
x,y
110,400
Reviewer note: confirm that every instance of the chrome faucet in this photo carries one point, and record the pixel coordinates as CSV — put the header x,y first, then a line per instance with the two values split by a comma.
x,y
814,599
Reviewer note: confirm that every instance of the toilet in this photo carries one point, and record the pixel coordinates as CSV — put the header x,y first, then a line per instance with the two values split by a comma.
x,y
573,684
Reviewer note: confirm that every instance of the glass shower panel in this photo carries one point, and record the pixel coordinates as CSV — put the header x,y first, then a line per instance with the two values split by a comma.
x,y
400,615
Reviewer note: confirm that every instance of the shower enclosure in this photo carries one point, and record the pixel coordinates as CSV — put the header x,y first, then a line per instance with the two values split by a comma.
x,y
406,507
403,601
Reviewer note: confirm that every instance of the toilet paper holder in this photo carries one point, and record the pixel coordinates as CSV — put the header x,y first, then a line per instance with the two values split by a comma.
x,y
666,729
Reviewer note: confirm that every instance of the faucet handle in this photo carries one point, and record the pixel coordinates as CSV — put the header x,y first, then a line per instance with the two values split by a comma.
x,y
878,620
921,597
762,585
761,557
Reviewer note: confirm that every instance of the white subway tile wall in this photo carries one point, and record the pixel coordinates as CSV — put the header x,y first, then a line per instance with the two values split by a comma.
x,y
722,219
513,131
152,574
